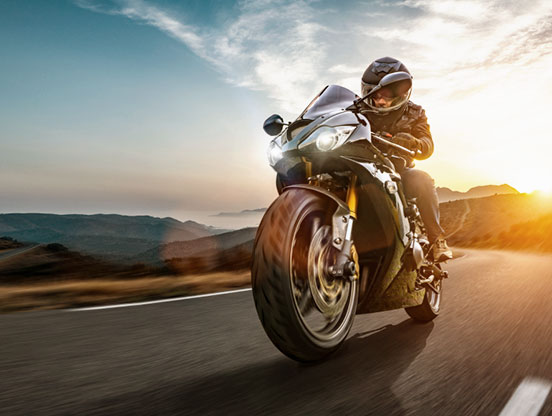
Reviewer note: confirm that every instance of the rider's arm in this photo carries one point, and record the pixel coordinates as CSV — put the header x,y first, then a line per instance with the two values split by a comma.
x,y
420,130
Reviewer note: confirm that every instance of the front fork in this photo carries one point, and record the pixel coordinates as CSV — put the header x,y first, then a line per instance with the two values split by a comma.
x,y
345,265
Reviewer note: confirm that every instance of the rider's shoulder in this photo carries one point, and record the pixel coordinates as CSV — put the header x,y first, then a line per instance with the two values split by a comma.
x,y
414,110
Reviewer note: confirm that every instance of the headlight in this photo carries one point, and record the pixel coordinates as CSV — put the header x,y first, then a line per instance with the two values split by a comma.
x,y
326,141
274,153
328,138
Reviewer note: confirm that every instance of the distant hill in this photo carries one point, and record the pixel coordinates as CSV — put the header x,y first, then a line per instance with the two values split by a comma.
x,y
533,235
106,235
7,243
234,258
243,213
493,221
205,247
51,262
446,194
55,262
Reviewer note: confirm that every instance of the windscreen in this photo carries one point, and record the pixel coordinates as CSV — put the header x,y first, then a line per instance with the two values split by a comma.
x,y
332,98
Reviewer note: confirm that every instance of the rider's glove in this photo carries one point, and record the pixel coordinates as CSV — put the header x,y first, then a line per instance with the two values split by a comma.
x,y
407,140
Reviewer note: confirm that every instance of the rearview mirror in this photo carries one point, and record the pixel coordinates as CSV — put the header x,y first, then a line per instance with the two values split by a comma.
x,y
395,77
273,125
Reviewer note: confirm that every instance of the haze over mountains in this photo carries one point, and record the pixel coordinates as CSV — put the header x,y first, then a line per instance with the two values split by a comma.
x,y
107,235
245,212
510,221
446,194
201,247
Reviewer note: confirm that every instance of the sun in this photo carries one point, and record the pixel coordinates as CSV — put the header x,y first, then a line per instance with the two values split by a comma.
x,y
531,182
543,189
547,194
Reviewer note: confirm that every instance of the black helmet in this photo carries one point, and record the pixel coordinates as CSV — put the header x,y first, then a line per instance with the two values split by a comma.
x,y
399,92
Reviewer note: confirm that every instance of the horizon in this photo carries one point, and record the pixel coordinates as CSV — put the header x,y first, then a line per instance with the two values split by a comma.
x,y
156,107
235,220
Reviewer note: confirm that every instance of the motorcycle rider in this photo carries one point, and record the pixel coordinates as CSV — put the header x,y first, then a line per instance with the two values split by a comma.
x,y
392,114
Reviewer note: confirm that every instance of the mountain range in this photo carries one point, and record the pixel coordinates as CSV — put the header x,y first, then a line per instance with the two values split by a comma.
x,y
446,194
158,241
106,235
245,212
499,221
503,221
205,247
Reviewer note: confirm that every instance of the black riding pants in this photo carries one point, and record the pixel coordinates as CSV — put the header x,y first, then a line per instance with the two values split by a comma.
x,y
418,184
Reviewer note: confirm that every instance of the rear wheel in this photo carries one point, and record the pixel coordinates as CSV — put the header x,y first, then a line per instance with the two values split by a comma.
x,y
431,306
306,313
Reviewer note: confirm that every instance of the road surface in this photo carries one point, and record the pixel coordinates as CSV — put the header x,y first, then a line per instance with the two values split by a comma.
x,y
210,355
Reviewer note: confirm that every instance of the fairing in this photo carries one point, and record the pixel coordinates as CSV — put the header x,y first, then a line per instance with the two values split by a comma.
x,y
332,98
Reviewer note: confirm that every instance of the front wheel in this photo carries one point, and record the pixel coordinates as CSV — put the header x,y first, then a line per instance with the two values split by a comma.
x,y
305,312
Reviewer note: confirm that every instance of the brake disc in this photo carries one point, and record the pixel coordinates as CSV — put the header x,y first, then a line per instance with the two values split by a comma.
x,y
329,293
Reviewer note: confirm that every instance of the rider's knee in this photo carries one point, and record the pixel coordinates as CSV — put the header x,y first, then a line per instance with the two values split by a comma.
x,y
420,179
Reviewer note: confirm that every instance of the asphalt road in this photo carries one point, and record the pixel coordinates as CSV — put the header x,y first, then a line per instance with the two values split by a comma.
x,y
210,355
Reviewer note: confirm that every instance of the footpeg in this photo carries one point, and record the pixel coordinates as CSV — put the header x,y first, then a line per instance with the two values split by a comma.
x,y
430,279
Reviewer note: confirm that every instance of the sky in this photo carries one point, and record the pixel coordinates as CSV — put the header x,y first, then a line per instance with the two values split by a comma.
x,y
156,107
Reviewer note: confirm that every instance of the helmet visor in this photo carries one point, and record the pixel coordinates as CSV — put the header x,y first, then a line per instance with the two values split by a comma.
x,y
388,98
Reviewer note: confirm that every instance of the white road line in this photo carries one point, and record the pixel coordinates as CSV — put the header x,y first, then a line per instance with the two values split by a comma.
x,y
528,398
152,302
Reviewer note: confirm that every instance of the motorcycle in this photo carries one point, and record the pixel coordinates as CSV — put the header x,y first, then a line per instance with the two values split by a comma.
x,y
341,238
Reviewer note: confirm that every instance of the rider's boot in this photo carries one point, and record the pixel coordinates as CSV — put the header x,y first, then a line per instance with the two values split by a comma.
x,y
441,251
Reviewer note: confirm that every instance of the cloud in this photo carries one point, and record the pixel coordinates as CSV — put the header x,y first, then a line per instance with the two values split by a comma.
x,y
151,15
460,46
346,69
290,49
251,50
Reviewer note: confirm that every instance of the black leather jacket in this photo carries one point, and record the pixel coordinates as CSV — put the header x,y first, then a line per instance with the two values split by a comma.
x,y
410,119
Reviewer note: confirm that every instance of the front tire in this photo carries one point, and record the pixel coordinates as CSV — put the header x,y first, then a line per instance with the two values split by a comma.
x,y
306,314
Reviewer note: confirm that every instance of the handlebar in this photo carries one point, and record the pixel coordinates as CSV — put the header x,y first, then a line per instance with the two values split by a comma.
x,y
409,152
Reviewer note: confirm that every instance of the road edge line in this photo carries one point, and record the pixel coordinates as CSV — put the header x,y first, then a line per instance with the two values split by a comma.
x,y
528,398
153,302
